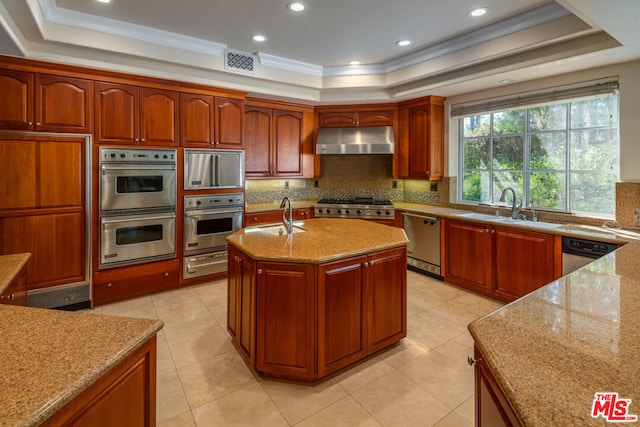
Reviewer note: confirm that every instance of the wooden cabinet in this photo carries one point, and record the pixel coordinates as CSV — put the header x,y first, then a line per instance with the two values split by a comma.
x,y
285,322
361,307
420,151
270,217
125,282
501,262
492,409
273,142
44,102
241,303
338,119
124,396
131,115
16,292
303,213
211,122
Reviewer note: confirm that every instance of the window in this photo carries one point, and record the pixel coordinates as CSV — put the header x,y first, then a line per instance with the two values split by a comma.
x,y
557,156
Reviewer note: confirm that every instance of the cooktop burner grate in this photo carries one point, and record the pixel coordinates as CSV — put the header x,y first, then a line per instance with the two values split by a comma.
x,y
355,201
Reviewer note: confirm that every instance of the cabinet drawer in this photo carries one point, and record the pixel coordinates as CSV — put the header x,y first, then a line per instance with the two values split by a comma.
x,y
263,218
127,282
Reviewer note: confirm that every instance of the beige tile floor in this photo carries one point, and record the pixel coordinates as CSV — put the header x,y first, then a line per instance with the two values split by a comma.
x,y
423,381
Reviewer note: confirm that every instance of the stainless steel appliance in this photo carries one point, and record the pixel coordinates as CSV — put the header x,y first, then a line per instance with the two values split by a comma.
x,y
423,250
208,220
356,140
130,239
213,169
137,205
576,253
359,207
137,179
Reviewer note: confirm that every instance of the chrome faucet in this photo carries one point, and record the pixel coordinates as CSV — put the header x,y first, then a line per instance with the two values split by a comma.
x,y
515,210
287,222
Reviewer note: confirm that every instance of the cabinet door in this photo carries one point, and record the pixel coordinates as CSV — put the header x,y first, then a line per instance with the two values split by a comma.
x,y
257,141
234,277
337,120
18,174
159,117
116,114
288,143
16,292
418,141
16,93
387,298
375,118
197,118
468,255
229,118
247,309
342,326
62,104
262,218
524,262
286,336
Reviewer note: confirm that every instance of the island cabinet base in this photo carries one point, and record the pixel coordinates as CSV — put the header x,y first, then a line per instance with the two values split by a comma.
x,y
312,320
492,407
125,396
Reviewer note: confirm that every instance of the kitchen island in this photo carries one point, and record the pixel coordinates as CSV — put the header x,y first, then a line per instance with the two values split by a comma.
x,y
541,360
305,305
59,367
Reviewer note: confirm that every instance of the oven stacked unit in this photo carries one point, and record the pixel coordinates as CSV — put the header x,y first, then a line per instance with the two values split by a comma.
x,y
208,220
137,205
359,207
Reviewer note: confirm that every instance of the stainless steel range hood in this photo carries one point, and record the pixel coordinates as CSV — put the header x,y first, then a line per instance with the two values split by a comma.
x,y
365,140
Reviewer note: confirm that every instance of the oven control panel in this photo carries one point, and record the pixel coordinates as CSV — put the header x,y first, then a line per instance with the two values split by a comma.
x,y
137,155
215,201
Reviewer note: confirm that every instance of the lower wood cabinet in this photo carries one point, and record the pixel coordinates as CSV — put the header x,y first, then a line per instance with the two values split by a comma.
x,y
124,396
492,406
16,292
126,282
312,320
270,217
500,262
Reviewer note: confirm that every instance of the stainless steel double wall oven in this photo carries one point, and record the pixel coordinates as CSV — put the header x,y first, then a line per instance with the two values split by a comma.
x,y
137,205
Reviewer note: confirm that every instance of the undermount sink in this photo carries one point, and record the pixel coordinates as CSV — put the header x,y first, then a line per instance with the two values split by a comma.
x,y
507,220
280,230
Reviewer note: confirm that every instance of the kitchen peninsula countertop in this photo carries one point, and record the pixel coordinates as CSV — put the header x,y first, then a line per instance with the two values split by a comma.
x,y
553,349
49,357
325,239
10,265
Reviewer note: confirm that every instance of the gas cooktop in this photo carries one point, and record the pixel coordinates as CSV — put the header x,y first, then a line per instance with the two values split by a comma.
x,y
357,207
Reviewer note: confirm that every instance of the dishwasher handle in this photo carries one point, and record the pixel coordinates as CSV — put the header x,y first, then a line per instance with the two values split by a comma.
x,y
427,220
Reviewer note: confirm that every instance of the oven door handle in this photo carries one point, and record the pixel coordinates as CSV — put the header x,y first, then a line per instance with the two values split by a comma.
x,y
110,220
138,167
201,213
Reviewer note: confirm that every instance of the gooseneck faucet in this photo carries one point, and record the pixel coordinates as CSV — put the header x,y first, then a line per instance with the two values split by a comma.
x,y
515,210
286,207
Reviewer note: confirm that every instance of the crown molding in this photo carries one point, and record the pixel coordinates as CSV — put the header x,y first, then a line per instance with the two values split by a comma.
x,y
290,64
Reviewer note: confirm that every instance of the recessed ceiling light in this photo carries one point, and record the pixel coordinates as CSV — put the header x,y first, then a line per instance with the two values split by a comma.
x,y
258,38
506,81
296,6
403,42
478,12
354,62
103,1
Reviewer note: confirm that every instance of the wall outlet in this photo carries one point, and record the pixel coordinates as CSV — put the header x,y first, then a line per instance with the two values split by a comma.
x,y
433,186
315,183
286,185
394,184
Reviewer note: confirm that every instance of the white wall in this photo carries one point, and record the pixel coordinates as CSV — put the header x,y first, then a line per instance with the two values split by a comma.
x,y
629,78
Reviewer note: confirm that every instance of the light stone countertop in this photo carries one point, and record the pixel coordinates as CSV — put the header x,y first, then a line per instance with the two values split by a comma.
x,y
553,349
10,266
48,357
325,239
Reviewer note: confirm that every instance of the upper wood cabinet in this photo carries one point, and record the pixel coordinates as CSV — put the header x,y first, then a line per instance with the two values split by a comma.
x,y
339,119
211,122
420,150
44,102
131,115
273,142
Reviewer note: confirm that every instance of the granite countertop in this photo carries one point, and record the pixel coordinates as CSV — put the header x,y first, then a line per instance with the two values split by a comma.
x,y
257,207
553,349
325,239
10,266
49,357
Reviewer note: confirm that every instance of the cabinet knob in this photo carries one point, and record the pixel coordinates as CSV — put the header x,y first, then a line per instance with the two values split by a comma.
x,y
12,297
371,263
259,271
109,285
136,139
30,123
142,139
471,361
493,231
166,274
255,218
38,123
366,264
212,143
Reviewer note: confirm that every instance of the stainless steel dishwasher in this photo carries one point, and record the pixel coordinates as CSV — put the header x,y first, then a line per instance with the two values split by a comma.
x,y
423,250
576,253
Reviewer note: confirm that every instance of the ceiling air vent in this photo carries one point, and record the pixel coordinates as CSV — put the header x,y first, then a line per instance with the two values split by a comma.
x,y
242,62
